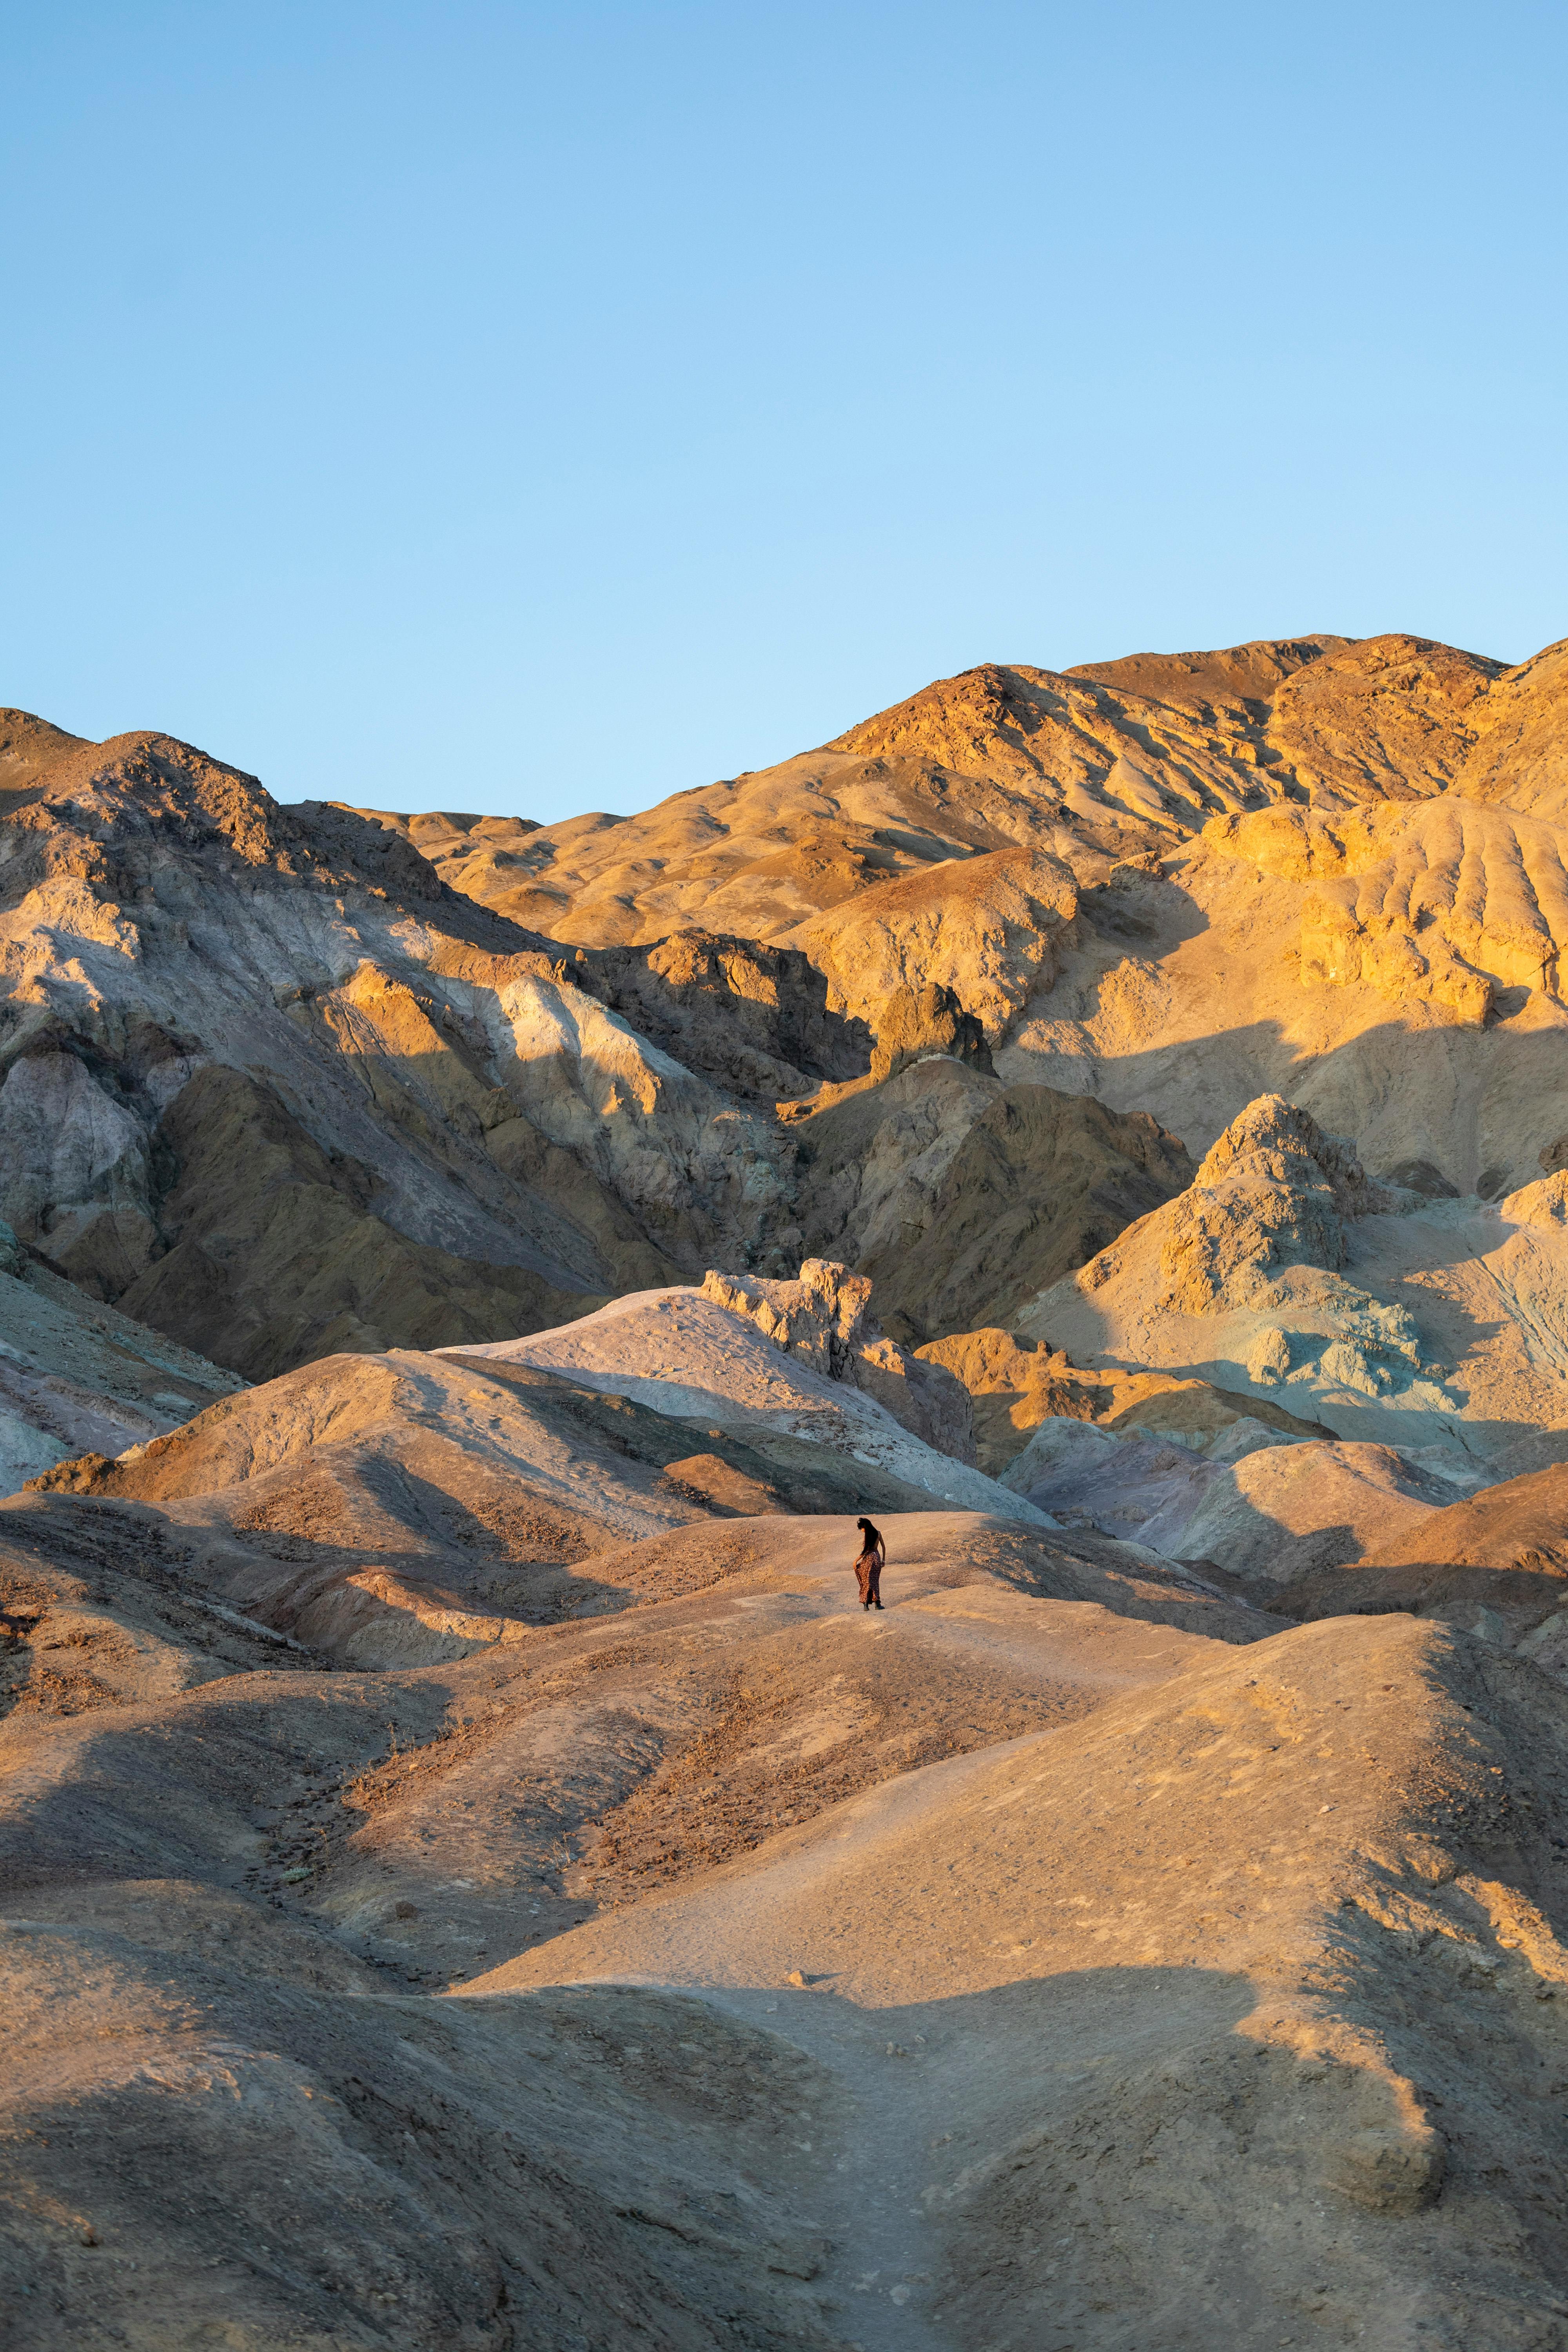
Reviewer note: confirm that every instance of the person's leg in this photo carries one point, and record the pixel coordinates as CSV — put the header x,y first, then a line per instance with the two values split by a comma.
x,y
873,1583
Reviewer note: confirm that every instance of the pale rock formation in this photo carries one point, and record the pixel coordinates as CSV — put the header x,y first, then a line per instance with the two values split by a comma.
x,y
1274,1190
1390,1317
77,1377
818,1318
1268,1357
824,1318
705,1355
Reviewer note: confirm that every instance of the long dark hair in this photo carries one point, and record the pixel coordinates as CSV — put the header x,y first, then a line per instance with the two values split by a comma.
x,y
873,1534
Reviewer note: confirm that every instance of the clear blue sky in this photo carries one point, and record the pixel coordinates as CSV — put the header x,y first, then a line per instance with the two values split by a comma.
x,y
536,409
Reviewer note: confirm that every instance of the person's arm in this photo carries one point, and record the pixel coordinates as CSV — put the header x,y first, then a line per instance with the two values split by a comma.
x,y
883,1551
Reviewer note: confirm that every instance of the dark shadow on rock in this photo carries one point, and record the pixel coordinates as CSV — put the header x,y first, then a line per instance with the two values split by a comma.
x,y
754,1019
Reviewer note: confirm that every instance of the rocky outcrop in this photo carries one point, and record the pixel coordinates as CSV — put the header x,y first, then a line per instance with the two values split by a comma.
x,y
1015,1385
819,1318
1432,1323
991,930
752,1018
264,1067
1039,1182
1274,1190
914,1022
823,1319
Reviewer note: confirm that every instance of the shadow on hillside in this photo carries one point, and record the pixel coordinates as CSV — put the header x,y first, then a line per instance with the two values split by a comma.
x,y
1436,1087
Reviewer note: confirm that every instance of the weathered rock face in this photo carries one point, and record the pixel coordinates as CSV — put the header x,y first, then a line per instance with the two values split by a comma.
x,y
914,1022
991,930
1016,1385
1312,866
823,1319
77,1377
753,1018
1446,905
262,1066
1273,1192
1025,1198
818,1318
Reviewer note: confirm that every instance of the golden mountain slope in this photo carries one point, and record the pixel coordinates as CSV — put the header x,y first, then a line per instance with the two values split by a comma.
x,y
1087,764
273,1084
1316,866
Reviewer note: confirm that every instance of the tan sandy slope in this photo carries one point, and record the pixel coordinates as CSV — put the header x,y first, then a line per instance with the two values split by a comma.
x,y
1170,2028
235,1861
921,1951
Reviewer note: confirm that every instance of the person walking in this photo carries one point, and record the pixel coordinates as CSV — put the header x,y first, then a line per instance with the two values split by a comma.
x,y
868,1568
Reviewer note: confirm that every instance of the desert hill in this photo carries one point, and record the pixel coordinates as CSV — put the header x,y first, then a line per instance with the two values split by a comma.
x,y
75,1376
472,1872
1141,1962
1096,760
275,1089
281,1081
1347,845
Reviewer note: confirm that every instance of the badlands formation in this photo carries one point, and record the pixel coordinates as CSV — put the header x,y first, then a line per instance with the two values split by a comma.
x,y
460,1282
